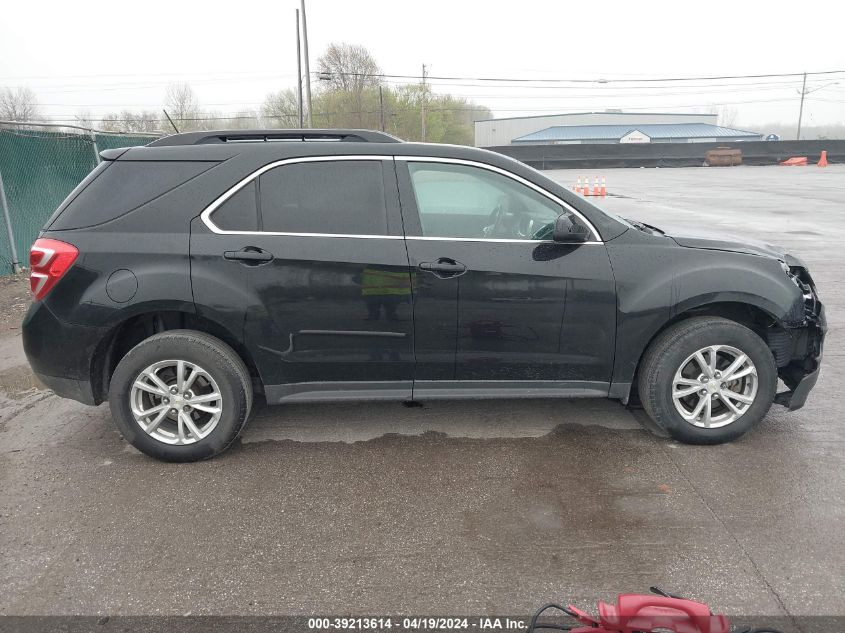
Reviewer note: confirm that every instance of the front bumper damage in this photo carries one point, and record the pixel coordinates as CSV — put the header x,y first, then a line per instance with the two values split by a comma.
x,y
798,344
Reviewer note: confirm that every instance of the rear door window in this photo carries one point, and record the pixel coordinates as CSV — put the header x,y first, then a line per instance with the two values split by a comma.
x,y
341,197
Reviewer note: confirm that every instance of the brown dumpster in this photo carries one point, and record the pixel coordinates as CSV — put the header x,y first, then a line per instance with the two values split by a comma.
x,y
723,157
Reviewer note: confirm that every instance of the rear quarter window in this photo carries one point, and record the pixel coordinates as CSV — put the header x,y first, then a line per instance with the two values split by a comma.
x,y
123,187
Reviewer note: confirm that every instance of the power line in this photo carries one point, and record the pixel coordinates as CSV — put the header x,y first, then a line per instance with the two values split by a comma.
x,y
241,77
592,81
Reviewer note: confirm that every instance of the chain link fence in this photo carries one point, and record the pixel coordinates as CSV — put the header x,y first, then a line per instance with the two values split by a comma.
x,y
40,165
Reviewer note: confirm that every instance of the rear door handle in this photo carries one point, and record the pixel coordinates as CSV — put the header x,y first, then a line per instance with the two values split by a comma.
x,y
249,255
444,268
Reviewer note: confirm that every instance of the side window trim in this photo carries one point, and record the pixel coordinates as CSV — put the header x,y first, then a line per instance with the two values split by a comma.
x,y
206,218
471,163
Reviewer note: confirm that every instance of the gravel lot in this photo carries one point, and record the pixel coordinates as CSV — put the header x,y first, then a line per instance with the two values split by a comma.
x,y
455,507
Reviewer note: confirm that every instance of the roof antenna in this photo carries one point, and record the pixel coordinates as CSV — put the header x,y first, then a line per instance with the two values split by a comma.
x,y
171,120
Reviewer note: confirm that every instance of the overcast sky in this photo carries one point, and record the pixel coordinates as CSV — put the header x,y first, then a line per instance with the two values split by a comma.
x,y
102,56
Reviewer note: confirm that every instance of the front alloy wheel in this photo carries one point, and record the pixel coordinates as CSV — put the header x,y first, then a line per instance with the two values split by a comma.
x,y
714,386
707,380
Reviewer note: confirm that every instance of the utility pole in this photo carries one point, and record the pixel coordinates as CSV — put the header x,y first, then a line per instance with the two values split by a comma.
x,y
804,92
307,66
299,71
176,129
381,106
422,106
801,109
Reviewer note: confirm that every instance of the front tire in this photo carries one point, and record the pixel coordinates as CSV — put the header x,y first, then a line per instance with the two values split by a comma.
x,y
180,396
707,380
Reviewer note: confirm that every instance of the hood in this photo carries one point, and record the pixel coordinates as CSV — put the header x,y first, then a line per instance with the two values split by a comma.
x,y
716,242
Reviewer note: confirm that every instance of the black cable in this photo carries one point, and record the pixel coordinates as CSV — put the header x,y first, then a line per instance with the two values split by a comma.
x,y
543,609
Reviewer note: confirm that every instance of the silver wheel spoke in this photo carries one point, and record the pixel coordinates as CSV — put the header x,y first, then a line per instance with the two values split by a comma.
x,y
146,413
739,362
737,396
180,428
206,408
154,424
153,389
742,373
687,381
206,397
191,379
702,400
713,358
683,393
703,364
180,375
730,405
707,417
150,375
190,424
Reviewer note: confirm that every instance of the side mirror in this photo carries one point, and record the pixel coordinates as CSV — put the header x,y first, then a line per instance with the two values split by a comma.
x,y
569,232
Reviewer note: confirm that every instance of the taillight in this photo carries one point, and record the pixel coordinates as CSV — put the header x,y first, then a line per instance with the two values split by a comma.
x,y
48,261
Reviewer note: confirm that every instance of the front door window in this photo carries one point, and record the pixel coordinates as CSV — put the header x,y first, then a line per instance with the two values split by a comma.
x,y
460,201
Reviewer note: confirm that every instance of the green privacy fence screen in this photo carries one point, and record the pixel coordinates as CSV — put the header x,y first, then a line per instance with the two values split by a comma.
x,y
38,169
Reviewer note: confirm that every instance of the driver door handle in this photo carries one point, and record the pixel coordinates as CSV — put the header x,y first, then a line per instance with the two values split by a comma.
x,y
444,268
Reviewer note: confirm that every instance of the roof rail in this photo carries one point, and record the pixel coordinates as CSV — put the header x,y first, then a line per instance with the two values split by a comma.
x,y
252,136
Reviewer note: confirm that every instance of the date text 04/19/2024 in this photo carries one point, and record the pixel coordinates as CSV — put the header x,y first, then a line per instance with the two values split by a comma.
x,y
429,623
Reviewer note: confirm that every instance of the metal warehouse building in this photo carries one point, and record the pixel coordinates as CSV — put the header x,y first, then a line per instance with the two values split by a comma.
x,y
606,127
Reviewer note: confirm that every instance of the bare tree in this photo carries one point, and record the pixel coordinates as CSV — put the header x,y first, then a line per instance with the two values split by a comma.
x,y
182,105
349,68
281,109
352,78
145,121
19,104
727,116
84,118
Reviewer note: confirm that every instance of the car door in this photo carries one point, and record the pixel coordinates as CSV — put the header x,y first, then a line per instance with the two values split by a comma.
x,y
494,293
321,274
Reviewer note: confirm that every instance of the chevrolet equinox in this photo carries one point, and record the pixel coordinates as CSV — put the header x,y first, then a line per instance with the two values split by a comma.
x,y
183,277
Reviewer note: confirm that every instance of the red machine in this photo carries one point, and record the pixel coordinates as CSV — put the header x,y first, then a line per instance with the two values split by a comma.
x,y
643,613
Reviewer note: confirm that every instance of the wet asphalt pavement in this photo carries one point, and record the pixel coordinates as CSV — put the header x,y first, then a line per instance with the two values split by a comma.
x,y
454,507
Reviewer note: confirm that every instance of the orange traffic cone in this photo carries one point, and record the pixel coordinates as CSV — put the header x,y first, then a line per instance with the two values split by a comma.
x,y
586,185
603,187
823,159
596,186
578,185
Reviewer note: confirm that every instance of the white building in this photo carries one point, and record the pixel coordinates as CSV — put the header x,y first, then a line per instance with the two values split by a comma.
x,y
606,127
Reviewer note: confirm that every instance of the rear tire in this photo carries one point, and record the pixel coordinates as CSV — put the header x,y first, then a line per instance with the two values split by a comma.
x,y
707,380
181,396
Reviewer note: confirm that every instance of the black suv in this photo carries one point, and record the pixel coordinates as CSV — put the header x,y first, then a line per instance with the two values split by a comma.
x,y
181,278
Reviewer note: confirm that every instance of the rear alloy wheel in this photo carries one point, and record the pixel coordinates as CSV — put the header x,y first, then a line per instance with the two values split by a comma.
x,y
176,402
180,396
707,380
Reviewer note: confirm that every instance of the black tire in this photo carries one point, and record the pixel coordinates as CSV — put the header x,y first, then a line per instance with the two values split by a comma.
x,y
204,350
669,350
